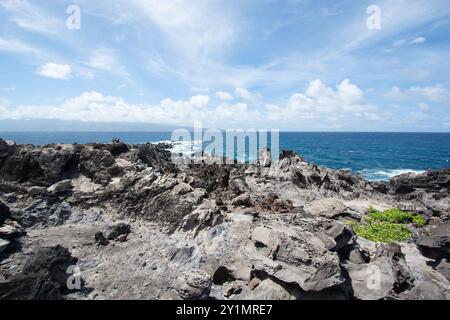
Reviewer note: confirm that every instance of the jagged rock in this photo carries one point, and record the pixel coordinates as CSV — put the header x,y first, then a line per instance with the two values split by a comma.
x,y
295,255
265,157
193,284
444,268
356,257
44,276
372,281
328,207
95,163
117,230
242,200
181,189
36,191
428,283
60,187
4,212
206,215
100,239
11,230
44,213
437,244
270,290
3,245
156,156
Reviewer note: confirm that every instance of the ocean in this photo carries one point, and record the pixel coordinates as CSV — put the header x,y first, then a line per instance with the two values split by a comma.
x,y
376,156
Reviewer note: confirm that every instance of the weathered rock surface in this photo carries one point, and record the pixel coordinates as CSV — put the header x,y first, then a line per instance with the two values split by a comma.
x,y
143,227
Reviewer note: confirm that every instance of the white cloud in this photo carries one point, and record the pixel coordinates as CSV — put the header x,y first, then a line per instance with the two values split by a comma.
x,y
418,40
224,95
31,17
323,102
244,93
15,45
54,70
105,59
195,29
430,93
200,101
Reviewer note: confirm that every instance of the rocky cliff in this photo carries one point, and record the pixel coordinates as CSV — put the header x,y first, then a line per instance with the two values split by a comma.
x,y
137,226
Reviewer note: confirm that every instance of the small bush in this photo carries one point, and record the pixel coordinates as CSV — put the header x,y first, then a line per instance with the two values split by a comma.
x,y
387,226
383,231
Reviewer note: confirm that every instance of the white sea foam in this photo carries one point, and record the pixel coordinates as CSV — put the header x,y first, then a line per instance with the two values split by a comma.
x,y
186,148
385,175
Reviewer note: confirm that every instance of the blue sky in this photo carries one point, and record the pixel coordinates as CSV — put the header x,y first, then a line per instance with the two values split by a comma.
x,y
291,65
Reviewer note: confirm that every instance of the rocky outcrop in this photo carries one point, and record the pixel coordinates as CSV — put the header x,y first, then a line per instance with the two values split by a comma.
x,y
144,227
44,276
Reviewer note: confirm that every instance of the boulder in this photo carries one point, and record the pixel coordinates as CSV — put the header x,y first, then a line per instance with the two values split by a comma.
x,y
265,157
293,254
242,201
328,207
44,276
3,245
193,284
436,245
117,230
11,230
270,290
60,187
4,212
36,191
100,239
372,281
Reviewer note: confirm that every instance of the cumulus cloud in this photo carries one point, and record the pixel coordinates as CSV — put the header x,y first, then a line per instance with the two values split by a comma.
x,y
54,70
430,93
322,102
244,93
224,95
94,106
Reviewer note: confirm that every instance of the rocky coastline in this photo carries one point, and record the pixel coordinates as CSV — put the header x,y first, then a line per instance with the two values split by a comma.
x,y
135,225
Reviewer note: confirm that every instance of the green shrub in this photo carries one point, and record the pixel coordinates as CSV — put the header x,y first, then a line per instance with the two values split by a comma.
x,y
383,231
387,226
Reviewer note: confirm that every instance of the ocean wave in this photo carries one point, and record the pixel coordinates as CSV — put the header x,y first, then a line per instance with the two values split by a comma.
x,y
386,174
187,148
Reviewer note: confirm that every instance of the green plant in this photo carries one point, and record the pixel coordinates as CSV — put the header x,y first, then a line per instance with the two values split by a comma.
x,y
383,231
387,226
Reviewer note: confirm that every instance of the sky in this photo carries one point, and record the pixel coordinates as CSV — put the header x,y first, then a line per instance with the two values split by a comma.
x,y
296,65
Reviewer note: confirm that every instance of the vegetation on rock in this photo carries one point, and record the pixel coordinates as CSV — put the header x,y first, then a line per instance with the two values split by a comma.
x,y
387,226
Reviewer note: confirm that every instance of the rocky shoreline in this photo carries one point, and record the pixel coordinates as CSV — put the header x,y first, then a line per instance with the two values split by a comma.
x,y
137,226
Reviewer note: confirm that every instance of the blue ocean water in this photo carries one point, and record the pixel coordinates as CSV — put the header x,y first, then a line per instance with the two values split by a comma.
x,y
376,156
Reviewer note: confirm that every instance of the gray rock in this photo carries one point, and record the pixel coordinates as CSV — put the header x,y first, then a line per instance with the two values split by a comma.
x,y
3,245
295,255
444,268
372,281
193,284
36,191
437,244
242,200
270,290
328,207
60,187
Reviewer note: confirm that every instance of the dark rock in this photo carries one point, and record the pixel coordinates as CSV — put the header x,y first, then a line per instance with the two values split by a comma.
x,y
118,230
94,164
437,244
156,156
4,212
117,147
44,276
100,239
